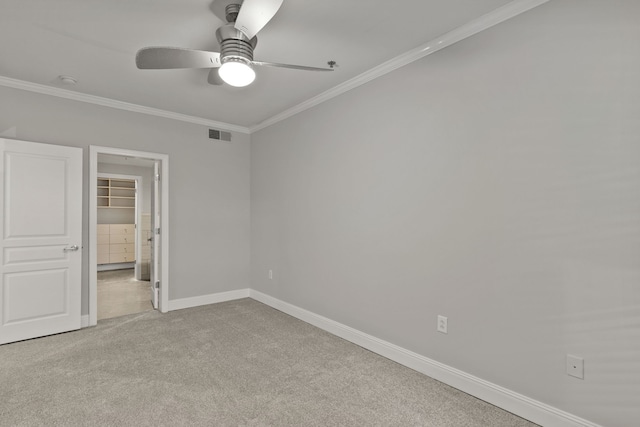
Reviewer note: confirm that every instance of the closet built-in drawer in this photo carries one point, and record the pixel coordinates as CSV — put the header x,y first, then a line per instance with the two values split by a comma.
x,y
122,238
124,248
103,239
103,249
102,229
122,229
121,257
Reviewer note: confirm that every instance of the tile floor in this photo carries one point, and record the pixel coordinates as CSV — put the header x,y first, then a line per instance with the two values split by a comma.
x,y
119,293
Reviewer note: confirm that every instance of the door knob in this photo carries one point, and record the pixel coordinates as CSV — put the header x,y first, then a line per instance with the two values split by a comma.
x,y
71,248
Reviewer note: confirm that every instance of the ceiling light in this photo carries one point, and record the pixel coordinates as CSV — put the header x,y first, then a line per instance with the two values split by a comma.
x,y
237,72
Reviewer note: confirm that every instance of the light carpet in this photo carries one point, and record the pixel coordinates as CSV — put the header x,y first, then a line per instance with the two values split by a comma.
x,y
239,363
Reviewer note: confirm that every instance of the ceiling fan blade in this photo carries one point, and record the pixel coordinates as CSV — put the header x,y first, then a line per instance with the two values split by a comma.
x,y
255,14
214,77
158,58
294,67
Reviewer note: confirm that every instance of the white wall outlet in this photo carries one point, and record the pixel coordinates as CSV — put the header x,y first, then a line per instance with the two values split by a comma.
x,y
442,324
270,274
575,366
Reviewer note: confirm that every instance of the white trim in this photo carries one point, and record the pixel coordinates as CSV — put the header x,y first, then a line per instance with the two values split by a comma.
x,y
120,105
469,29
116,266
488,20
504,398
93,215
179,304
84,321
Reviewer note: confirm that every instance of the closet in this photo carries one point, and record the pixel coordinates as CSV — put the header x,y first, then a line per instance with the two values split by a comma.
x,y
123,236
116,229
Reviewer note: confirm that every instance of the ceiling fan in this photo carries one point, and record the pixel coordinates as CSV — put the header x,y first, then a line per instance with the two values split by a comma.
x,y
234,63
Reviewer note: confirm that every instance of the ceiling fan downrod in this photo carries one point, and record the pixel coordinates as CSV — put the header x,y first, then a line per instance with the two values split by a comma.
x,y
231,12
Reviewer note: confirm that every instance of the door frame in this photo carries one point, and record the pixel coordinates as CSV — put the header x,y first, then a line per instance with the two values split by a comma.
x,y
163,159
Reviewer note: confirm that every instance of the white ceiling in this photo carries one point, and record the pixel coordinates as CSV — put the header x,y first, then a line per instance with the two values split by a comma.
x,y
95,41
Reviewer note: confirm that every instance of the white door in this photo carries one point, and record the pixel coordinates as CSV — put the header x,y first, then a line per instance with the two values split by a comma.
x,y
155,237
40,239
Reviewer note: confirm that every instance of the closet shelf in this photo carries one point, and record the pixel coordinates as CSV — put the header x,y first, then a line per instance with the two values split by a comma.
x,y
116,193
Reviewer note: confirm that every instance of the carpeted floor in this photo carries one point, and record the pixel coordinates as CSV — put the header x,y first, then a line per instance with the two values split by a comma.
x,y
239,363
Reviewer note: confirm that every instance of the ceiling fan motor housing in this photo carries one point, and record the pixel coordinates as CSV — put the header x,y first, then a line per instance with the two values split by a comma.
x,y
235,45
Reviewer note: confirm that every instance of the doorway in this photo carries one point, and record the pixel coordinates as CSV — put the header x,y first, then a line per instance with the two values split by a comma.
x,y
120,293
128,232
123,235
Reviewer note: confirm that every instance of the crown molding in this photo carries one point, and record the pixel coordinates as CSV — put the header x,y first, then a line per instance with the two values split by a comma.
x,y
469,29
492,18
120,105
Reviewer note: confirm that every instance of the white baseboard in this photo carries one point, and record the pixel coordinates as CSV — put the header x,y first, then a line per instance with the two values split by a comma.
x,y
116,266
179,304
501,397
84,321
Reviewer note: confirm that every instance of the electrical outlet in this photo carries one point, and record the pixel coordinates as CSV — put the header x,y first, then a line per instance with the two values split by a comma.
x,y
575,366
270,274
442,324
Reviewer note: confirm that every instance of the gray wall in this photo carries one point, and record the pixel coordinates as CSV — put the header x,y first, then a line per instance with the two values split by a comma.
x,y
495,182
209,182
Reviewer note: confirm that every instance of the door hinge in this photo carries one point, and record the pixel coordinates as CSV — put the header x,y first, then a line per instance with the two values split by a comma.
x,y
157,285
158,231
157,177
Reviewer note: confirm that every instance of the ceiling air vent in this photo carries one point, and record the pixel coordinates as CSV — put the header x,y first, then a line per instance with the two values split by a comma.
x,y
220,135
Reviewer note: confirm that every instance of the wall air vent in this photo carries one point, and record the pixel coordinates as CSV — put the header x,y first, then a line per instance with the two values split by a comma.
x,y
220,135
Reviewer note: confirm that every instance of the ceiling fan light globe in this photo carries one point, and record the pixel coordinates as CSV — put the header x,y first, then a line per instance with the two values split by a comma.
x,y
237,74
